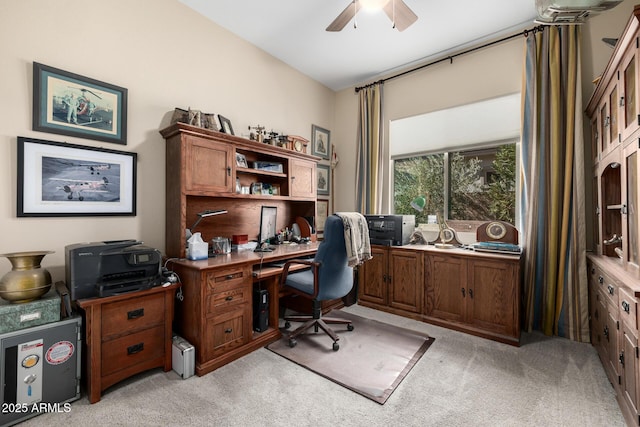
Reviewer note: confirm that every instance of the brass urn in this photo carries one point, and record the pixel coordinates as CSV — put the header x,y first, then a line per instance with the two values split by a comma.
x,y
26,281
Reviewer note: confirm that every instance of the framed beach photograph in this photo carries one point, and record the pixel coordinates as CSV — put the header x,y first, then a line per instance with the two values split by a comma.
x,y
69,104
320,142
324,176
225,125
58,179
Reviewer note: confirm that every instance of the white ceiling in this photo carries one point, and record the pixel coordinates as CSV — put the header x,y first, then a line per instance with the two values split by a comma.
x,y
294,32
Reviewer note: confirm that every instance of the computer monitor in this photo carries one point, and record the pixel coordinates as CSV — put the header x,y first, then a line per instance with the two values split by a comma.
x,y
267,224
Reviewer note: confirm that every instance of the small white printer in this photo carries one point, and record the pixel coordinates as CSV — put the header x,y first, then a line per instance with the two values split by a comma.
x,y
183,357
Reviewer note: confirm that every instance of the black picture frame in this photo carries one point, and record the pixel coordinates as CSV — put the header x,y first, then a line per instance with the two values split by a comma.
x,y
320,142
99,109
268,217
225,125
57,179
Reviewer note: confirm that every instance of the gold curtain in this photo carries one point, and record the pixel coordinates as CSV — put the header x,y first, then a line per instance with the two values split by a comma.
x,y
553,205
370,150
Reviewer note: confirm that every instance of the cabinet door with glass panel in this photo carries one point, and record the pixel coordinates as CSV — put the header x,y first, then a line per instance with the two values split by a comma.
x,y
629,209
629,93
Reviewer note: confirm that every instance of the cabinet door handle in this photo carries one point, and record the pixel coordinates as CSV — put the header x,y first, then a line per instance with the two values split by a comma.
x,y
463,292
611,289
622,101
228,170
134,314
621,357
470,293
605,332
228,330
136,348
625,306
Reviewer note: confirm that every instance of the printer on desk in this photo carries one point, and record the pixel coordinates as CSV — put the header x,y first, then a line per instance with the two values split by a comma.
x,y
390,230
101,269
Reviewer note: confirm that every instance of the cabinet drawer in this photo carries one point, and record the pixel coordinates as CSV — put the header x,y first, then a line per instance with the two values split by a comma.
x,y
132,349
227,288
608,287
127,316
226,332
628,309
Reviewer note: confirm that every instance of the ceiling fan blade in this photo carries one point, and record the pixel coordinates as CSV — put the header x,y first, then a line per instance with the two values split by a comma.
x,y
404,16
345,16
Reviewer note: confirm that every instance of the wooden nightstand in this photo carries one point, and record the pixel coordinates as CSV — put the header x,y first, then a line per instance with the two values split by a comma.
x,y
125,335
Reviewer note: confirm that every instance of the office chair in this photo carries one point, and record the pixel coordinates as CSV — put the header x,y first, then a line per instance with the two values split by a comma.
x,y
329,277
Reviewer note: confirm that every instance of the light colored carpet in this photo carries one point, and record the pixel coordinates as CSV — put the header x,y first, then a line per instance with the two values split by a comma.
x,y
373,359
461,380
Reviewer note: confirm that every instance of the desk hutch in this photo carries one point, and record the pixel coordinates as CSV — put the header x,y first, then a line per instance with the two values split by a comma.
x,y
614,266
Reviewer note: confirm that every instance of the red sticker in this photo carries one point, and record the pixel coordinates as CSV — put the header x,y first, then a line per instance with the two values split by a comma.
x,y
59,352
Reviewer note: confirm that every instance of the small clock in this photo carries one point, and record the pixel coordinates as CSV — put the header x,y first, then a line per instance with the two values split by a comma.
x,y
297,145
447,235
496,230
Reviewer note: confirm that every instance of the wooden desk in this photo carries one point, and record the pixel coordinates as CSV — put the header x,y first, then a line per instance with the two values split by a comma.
x,y
216,313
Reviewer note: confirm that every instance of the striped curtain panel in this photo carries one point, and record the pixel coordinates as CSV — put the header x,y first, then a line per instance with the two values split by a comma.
x,y
370,149
553,206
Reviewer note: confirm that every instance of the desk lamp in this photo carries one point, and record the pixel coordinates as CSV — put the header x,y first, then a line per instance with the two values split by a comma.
x,y
419,203
201,216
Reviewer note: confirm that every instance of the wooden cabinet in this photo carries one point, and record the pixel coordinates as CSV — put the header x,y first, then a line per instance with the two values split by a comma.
x,y
388,281
215,314
474,294
614,265
125,335
207,170
458,289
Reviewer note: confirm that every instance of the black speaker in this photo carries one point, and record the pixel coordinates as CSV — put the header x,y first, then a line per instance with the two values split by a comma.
x,y
260,310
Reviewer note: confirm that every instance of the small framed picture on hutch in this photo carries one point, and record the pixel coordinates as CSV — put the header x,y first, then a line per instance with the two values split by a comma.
x,y
324,177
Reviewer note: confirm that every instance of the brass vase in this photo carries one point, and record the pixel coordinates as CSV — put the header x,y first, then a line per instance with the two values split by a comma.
x,y
26,281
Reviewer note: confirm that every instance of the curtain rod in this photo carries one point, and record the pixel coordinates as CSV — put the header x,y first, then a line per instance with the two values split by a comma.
x,y
450,57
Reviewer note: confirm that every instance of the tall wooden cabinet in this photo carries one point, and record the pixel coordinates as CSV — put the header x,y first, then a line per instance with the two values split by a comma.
x,y
614,265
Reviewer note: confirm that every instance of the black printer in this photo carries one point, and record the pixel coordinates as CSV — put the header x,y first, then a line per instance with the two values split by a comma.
x,y
101,269
390,230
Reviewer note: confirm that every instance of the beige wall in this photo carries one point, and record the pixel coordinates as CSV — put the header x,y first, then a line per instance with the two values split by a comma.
x,y
167,56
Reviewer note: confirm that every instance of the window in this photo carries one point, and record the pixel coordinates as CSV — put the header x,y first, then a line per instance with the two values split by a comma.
x,y
471,186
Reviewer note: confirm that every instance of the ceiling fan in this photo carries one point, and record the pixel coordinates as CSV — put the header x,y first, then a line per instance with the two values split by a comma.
x,y
397,10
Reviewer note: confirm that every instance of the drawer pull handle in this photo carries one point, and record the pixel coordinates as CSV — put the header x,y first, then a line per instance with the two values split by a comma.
x,y
134,314
136,348
229,276
228,330
600,279
625,306
611,289
229,298
463,292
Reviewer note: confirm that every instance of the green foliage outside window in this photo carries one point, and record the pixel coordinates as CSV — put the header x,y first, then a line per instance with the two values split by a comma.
x,y
481,184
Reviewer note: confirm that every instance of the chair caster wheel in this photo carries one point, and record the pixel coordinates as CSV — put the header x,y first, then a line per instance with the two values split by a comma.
x,y
336,346
292,342
350,327
287,324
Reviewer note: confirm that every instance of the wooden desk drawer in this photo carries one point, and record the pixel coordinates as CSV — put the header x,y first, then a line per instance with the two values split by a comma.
x,y
628,309
227,289
227,331
127,316
132,349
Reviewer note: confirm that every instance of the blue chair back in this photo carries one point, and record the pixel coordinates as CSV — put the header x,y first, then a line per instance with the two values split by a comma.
x,y
336,277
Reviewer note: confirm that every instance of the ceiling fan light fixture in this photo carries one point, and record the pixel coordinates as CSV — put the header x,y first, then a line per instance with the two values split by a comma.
x,y
373,4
